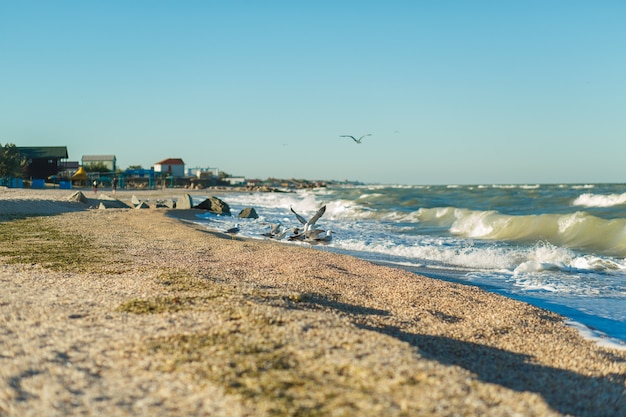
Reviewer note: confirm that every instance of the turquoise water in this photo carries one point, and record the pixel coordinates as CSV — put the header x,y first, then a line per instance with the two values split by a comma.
x,y
561,247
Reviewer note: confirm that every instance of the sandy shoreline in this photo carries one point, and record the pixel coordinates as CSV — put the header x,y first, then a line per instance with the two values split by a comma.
x,y
140,314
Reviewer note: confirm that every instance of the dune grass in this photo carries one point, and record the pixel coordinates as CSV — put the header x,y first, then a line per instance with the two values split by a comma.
x,y
33,241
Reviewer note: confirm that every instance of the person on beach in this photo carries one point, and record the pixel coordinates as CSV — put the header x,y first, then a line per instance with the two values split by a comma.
x,y
114,184
95,186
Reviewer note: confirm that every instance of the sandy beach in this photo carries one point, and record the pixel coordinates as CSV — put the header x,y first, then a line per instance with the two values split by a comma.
x,y
125,312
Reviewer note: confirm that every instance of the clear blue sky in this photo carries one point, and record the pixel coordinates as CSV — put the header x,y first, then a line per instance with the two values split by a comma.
x,y
453,92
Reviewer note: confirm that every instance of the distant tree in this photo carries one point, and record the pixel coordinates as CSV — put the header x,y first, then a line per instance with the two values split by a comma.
x,y
11,162
96,167
135,167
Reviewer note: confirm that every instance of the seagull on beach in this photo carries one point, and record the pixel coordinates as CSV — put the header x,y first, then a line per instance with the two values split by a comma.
x,y
326,238
278,232
274,230
309,235
355,139
313,237
232,231
283,233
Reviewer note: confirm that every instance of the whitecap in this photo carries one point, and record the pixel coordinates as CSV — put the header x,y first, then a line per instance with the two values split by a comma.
x,y
600,200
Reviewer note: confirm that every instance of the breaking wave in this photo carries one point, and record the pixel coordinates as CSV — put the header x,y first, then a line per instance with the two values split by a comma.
x,y
596,200
577,230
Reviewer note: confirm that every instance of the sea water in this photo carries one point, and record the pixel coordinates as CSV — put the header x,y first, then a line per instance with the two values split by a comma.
x,y
559,247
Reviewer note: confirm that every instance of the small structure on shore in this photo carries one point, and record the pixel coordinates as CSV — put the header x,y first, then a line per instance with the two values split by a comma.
x,y
42,161
174,167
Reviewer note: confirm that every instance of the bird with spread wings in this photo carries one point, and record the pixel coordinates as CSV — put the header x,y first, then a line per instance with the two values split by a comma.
x,y
355,139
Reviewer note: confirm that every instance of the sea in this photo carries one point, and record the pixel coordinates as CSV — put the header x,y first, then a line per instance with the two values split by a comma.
x,y
561,247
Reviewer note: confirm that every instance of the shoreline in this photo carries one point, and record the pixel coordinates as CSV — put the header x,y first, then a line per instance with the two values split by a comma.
x,y
586,332
145,315
60,197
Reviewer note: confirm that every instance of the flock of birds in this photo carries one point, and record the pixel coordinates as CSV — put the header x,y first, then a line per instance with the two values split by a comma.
x,y
306,233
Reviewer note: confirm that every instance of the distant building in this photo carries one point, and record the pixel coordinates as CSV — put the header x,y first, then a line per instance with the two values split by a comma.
x,y
109,161
174,167
68,168
235,180
203,172
42,161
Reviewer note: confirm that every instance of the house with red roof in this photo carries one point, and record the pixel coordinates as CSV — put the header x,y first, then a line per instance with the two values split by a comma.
x,y
174,167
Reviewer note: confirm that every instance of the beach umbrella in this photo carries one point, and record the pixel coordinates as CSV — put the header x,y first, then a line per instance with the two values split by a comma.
x,y
79,175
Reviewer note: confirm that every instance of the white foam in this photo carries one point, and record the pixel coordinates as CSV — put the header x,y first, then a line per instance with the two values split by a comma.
x,y
601,339
484,249
599,200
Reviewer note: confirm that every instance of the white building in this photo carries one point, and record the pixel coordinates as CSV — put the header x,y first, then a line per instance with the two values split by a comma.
x,y
203,172
235,180
174,167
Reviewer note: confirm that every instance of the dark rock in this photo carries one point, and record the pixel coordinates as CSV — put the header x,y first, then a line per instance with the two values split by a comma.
x,y
248,213
165,204
215,205
107,202
112,205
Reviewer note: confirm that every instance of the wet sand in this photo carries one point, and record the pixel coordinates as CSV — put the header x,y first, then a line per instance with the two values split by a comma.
x,y
137,312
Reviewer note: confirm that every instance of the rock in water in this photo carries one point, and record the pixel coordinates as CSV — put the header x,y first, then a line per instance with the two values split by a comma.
x,y
215,205
248,213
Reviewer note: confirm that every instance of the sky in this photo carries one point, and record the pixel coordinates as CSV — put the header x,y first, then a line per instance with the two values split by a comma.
x,y
452,92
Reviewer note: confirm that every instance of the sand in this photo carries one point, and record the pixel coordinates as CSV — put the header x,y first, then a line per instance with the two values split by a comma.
x,y
125,312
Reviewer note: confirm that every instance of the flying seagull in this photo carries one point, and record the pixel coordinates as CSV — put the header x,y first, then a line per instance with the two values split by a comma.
x,y
309,223
306,232
355,139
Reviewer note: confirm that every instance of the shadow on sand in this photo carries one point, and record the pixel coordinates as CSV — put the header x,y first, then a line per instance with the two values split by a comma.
x,y
565,391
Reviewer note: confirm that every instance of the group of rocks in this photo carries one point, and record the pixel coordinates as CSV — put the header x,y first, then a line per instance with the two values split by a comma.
x,y
185,202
